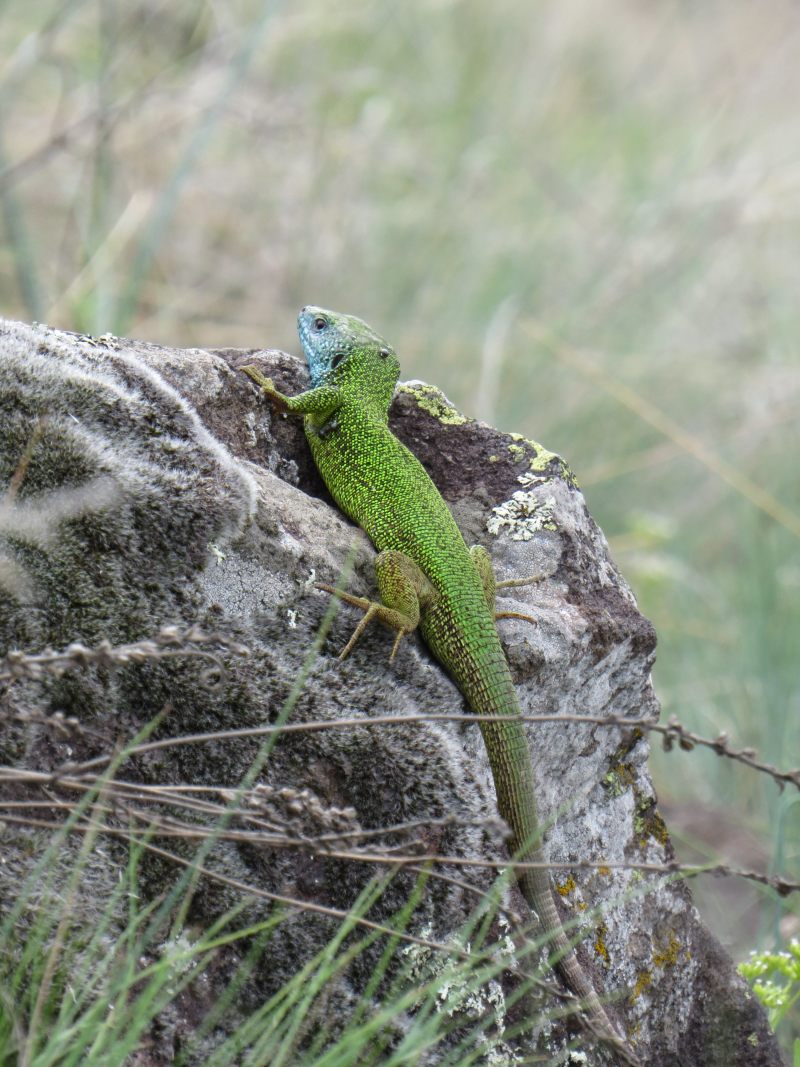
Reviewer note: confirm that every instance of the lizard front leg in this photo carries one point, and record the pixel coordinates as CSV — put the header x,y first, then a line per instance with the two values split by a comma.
x,y
321,402
404,591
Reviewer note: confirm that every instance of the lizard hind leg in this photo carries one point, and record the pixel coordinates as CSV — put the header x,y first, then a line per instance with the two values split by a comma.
x,y
483,565
403,589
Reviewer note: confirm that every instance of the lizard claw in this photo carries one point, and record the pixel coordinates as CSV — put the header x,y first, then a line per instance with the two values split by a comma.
x,y
252,371
266,385
516,615
518,583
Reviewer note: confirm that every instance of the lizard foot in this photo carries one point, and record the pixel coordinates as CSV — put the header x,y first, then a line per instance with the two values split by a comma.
x,y
403,589
373,609
266,385
517,583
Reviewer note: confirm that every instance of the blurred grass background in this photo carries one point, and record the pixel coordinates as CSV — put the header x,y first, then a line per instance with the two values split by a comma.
x,y
464,175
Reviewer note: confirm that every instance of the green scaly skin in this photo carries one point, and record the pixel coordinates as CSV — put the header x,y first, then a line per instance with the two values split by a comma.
x,y
427,578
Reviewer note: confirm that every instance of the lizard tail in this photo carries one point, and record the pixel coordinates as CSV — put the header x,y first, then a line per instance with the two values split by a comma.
x,y
512,770
539,896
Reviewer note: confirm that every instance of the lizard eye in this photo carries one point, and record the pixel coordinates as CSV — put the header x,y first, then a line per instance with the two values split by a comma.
x,y
337,359
320,323
384,352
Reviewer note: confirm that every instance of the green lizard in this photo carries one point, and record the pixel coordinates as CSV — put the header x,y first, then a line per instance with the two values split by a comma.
x,y
427,578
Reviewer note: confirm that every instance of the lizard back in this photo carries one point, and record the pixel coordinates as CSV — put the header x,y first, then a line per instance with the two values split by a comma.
x,y
383,487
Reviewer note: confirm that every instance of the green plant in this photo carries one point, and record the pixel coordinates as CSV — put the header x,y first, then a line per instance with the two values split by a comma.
x,y
775,978
89,993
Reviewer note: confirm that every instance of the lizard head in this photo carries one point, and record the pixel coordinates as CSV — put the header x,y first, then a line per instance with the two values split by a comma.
x,y
342,350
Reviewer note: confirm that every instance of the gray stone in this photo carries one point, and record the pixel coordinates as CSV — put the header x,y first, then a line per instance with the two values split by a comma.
x,y
161,491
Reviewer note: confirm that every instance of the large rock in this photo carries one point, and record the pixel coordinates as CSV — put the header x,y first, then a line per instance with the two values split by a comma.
x,y
159,489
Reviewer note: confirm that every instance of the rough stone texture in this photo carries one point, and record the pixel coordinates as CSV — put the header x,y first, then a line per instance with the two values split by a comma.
x,y
190,501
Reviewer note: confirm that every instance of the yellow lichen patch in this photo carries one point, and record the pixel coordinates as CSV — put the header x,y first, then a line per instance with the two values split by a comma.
x,y
582,906
605,871
566,887
541,460
648,823
625,773
658,828
642,982
433,400
621,774
668,956
600,942
619,778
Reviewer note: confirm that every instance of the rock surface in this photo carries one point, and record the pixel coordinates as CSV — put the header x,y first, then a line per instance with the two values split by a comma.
x,y
158,489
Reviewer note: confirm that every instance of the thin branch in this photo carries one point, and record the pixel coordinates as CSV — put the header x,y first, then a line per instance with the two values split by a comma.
x,y
782,886
671,731
280,838
170,641
244,887
572,1002
721,744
